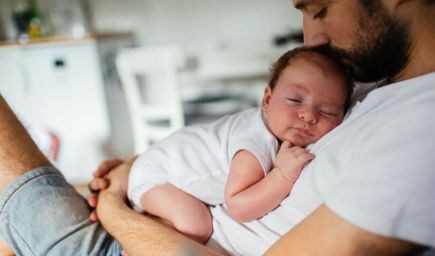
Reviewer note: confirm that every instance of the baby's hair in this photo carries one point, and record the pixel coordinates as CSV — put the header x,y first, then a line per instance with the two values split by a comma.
x,y
305,52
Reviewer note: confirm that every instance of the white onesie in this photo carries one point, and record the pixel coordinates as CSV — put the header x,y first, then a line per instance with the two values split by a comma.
x,y
196,159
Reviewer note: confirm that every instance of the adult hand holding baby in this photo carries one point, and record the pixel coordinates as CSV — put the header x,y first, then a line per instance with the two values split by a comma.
x,y
112,172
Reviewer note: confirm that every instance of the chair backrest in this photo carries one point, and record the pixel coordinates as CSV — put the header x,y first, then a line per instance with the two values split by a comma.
x,y
149,76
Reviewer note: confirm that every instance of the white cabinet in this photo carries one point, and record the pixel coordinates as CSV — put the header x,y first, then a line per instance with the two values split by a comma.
x,y
59,86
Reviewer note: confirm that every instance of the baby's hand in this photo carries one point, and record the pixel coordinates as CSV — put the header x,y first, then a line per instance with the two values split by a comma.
x,y
291,159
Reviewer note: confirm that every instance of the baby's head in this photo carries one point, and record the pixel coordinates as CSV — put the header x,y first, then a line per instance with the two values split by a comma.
x,y
307,96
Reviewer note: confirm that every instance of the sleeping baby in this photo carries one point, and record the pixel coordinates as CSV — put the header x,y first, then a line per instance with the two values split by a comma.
x,y
249,160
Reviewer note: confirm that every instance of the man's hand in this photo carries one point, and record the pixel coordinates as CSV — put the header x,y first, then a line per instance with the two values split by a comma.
x,y
291,159
115,193
100,182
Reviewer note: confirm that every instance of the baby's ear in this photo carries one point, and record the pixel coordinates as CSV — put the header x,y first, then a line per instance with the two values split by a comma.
x,y
266,98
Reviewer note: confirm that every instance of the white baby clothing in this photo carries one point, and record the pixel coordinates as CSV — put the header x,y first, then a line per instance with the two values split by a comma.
x,y
197,158
376,170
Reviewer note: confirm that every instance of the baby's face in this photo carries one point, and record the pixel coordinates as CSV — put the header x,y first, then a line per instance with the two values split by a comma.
x,y
306,103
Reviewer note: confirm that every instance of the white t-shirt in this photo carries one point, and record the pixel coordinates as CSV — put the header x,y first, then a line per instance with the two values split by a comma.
x,y
376,170
197,158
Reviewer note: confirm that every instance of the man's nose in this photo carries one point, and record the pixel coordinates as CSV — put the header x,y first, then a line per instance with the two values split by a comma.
x,y
308,114
314,35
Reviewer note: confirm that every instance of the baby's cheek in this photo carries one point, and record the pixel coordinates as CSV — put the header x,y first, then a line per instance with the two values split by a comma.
x,y
325,129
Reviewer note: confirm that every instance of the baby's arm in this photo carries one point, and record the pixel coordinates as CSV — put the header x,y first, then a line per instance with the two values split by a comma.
x,y
249,195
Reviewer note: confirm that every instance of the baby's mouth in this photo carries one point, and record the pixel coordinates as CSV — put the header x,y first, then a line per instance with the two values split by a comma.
x,y
305,132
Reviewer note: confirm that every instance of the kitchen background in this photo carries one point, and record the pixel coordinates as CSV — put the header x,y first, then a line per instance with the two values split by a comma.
x,y
59,73
235,23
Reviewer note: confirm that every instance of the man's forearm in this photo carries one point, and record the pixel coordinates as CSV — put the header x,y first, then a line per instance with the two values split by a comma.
x,y
325,233
141,235
18,152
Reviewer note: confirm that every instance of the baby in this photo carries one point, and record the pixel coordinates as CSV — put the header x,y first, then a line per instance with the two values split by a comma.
x,y
249,160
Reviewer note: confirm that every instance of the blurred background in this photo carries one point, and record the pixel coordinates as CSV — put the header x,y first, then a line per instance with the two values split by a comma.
x,y
93,79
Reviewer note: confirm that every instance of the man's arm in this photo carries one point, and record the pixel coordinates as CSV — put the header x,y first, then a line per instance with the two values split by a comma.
x,y
18,153
137,233
5,249
321,233
325,233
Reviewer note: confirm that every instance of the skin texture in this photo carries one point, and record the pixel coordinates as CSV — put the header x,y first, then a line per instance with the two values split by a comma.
x,y
18,153
5,250
325,233
181,210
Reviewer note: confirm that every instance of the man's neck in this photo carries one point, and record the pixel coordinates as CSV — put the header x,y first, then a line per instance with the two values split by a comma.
x,y
422,54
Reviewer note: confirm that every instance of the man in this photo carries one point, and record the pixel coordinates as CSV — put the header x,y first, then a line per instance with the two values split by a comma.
x,y
368,192
362,214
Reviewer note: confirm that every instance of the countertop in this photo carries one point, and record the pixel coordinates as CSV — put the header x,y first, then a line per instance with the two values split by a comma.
x,y
61,39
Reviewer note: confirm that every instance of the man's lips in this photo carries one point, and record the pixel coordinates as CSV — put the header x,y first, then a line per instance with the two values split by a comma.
x,y
305,132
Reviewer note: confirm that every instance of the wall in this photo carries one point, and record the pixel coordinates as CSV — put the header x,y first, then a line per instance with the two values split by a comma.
x,y
199,23
192,23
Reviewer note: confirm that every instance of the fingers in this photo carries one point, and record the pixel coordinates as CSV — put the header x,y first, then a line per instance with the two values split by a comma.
x,y
288,148
106,166
305,157
291,159
93,216
93,200
301,155
293,167
294,156
297,151
98,184
299,164
95,186
286,144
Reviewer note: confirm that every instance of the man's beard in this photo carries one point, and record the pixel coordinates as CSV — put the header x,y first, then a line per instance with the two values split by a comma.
x,y
381,49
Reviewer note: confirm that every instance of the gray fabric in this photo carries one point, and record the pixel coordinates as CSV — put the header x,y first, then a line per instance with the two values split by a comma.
x,y
41,214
